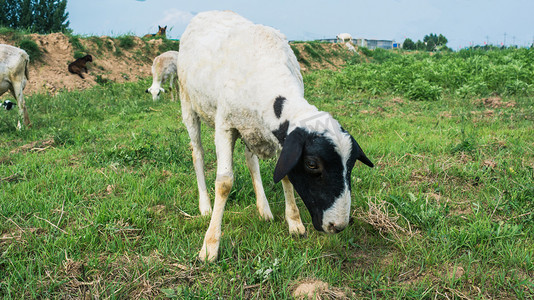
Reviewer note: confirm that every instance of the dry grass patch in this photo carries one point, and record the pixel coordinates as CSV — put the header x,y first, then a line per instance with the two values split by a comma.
x,y
314,289
36,146
493,102
384,217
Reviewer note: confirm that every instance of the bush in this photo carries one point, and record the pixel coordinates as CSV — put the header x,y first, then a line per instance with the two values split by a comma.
x,y
421,76
31,48
126,42
421,89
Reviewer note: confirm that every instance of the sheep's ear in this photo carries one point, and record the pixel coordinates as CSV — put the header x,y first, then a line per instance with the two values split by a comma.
x,y
146,91
361,155
290,155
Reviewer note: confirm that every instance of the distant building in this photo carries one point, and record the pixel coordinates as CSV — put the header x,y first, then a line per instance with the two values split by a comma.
x,y
370,44
373,44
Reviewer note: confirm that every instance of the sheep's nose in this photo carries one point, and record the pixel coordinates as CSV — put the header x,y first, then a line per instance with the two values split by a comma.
x,y
336,228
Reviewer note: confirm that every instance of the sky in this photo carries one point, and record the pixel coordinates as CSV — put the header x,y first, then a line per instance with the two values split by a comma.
x,y
462,22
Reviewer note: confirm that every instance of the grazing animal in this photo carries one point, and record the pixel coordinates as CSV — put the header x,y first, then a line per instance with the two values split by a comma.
x,y
164,70
79,65
244,80
14,63
162,31
8,105
344,37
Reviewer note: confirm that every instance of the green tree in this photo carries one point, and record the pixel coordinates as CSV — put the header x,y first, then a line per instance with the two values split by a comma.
x,y
430,45
25,19
420,45
8,12
408,44
42,16
442,40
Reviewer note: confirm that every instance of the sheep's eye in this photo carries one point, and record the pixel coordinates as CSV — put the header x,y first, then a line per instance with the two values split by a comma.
x,y
311,164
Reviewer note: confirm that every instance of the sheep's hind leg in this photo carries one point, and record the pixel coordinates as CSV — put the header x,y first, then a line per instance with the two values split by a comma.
x,y
21,103
224,144
292,211
192,123
261,200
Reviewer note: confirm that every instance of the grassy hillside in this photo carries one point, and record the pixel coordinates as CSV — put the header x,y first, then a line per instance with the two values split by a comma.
x,y
99,199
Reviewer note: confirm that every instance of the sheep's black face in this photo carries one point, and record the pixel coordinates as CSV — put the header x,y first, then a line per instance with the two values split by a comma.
x,y
320,170
8,105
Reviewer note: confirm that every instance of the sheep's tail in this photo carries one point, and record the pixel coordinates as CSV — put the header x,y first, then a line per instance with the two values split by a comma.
x,y
27,68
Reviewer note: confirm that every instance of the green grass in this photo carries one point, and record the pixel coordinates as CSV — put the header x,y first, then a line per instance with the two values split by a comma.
x,y
96,199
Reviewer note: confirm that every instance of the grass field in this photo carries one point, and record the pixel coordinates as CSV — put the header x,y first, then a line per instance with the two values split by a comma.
x,y
99,200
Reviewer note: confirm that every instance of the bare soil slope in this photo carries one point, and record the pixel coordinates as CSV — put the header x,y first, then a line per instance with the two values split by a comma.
x,y
113,62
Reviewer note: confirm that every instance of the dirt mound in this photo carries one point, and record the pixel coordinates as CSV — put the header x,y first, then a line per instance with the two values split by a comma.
x,y
113,61
318,55
110,62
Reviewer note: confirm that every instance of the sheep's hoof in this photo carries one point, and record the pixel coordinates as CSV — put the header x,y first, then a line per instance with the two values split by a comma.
x,y
266,215
296,228
208,253
205,210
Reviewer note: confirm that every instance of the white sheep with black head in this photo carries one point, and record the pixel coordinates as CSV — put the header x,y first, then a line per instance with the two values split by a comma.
x,y
244,80
163,70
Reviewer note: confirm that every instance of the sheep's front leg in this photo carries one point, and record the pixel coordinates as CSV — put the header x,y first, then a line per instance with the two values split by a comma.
x,y
261,200
224,146
292,211
192,123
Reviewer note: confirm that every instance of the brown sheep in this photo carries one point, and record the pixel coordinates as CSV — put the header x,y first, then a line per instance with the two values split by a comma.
x,y
161,32
78,66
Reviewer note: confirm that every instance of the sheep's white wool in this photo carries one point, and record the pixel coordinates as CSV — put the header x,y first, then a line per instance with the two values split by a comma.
x,y
13,76
241,96
344,37
164,69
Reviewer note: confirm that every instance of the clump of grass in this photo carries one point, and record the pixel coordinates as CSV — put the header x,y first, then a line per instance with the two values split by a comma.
x,y
74,40
31,47
168,45
102,80
423,90
99,43
14,35
313,52
79,54
126,42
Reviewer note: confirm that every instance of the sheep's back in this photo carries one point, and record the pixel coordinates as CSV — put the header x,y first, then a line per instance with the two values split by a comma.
x,y
226,58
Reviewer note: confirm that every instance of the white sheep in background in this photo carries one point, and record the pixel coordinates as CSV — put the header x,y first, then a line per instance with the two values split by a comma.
x,y
244,80
163,70
13,77
344,37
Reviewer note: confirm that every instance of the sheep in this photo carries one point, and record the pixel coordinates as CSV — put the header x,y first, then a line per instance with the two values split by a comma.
x,y
79,65
244,80
163,70
162,31
8,105
344,37
14,63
